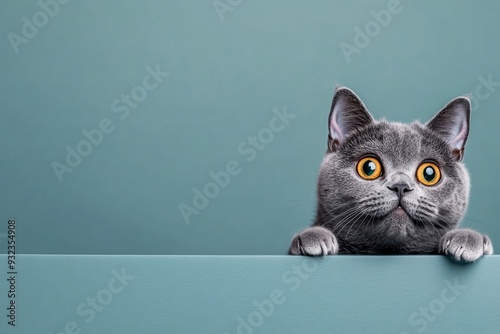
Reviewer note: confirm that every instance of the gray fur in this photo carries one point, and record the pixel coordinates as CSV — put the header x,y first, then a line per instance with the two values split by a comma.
x,y
357,216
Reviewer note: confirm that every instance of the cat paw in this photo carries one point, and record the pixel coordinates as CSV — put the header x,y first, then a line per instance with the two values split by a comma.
x,y
465,245
314,241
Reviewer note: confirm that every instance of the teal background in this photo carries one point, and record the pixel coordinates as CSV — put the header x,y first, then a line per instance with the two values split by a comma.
x,y
207,294
226,77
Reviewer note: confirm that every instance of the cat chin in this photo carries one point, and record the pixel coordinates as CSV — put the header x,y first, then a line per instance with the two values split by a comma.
x,y
398,225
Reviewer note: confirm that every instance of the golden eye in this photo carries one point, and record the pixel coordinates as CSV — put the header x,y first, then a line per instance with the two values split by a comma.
x,y
369,168
428,174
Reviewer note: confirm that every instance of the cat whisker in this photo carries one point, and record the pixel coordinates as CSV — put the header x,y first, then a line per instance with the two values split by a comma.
x,y
359,202
337,207
447,220
372,219
350,210
355,220
351,221
344,221
344,213
360,222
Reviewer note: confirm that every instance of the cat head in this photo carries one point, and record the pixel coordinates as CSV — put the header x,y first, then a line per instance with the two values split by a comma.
x,y
393,182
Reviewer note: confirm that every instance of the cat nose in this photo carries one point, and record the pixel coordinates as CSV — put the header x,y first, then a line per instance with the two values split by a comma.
x,y
400,189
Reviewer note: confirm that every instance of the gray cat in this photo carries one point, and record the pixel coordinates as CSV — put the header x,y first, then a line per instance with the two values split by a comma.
x,y
392,188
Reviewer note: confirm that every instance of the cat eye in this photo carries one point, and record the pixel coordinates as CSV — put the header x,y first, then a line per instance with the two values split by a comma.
x,y
369,168
428,173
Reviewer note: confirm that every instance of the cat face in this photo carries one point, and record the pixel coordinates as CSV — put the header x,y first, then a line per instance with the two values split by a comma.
x,y
393,183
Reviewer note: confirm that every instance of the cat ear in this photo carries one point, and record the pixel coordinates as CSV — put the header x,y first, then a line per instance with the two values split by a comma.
x,y
452,124
347,114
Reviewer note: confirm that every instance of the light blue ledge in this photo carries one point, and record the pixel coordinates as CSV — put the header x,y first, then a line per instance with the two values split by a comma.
x,y
252,294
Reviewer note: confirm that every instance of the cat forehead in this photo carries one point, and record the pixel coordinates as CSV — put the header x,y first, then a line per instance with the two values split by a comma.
x,y
399,142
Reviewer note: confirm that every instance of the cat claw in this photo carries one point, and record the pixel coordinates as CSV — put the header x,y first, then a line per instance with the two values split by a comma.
x,y
314,241
465,245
